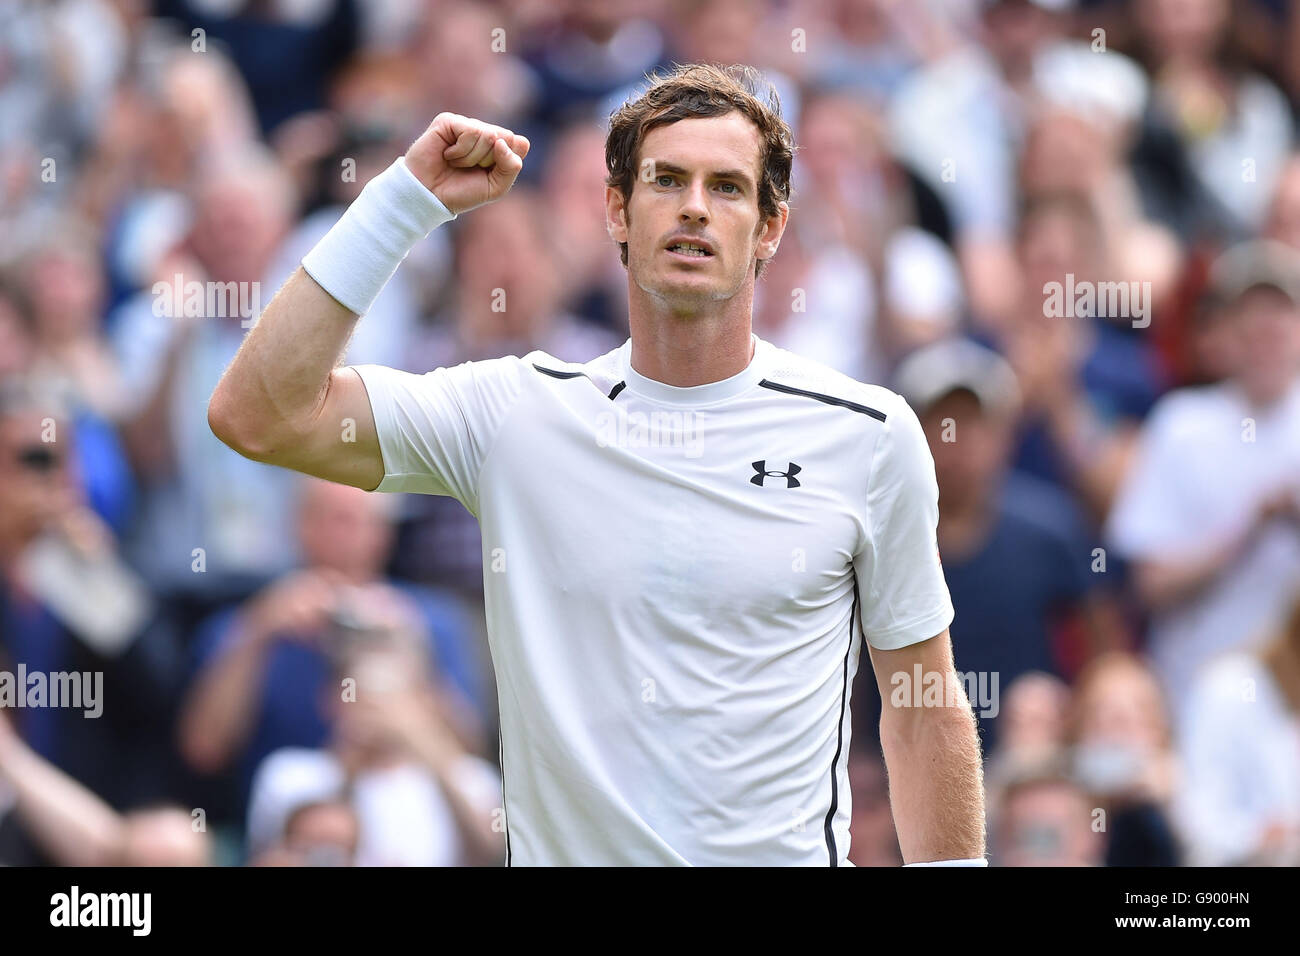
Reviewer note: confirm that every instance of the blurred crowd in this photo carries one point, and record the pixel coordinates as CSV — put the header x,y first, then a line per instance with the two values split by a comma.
x,y
1067,232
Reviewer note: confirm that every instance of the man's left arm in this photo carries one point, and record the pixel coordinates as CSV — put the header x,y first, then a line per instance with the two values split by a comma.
x,y
932,754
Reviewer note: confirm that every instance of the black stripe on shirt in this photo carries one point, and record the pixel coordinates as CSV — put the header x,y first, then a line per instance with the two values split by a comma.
x,y
828,399
839,742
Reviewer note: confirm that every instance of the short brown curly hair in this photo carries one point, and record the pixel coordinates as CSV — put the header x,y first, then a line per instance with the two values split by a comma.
x,y
701,90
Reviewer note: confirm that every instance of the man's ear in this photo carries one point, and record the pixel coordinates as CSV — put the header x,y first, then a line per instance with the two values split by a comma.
x,y
772,231
615,214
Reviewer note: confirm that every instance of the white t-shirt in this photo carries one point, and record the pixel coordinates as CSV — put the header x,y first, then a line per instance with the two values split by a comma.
x,y
1241,754
672,578
404,816
1206,459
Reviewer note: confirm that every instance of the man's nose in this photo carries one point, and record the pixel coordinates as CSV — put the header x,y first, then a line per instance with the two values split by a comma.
x,y
694,204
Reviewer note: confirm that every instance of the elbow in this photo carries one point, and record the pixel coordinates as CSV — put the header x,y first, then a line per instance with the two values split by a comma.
x,y
237,429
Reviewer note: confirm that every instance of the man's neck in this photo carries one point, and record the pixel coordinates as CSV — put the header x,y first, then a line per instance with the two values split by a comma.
x,y
686,350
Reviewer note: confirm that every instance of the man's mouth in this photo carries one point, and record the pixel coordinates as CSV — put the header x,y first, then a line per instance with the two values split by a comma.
x,y
694,250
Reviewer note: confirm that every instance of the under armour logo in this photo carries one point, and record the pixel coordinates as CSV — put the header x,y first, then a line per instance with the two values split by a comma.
x,y
760,467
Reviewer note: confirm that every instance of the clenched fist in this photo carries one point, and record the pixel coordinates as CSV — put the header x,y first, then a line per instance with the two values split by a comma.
x,y
466,162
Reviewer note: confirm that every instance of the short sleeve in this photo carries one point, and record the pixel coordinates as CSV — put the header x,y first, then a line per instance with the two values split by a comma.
x,y
904,597
436,429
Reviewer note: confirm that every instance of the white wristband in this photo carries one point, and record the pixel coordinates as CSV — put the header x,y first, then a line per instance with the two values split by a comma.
x,y
360,254
979,861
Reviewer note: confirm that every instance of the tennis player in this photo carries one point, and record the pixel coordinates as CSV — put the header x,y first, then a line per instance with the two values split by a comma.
x,y
686,541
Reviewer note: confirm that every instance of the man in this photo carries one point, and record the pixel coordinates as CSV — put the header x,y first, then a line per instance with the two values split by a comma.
x,y
681,538
1043,818
1217,571
262,666
1016,556
71,609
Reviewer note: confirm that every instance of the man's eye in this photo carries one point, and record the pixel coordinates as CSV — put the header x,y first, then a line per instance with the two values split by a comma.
x,y
732,186
664,180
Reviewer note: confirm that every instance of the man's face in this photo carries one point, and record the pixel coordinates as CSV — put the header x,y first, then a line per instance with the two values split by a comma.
x,y
1048,824
1267,327
697,180
969,445
342,528
34,481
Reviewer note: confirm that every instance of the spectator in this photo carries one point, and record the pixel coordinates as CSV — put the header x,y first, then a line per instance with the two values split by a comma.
x,y
262,668
574,199
1044,819
1123,756
1216,571
1228,127
1035,713
287,52
236,513
420,798
324,832
1240,802
1086,383
1014,553
69,605
71,826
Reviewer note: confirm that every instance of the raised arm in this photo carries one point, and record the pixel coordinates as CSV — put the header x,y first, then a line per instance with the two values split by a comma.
x,y
284,399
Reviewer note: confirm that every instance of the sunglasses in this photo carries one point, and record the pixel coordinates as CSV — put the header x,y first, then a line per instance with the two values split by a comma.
x,y
39,458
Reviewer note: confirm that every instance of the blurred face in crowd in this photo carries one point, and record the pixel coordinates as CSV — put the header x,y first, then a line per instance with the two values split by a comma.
x,y
163,837
1265,325
509,287
968,468
1034,714
1015,30
392,679
703,186
241,219
35,485
1047,824
344,529
1121,703
577,161
323,834
1055,241
1066,152
65,288
1182,30
841,137
717,31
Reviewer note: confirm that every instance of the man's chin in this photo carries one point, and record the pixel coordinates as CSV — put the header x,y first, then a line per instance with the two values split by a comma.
x,y
684,291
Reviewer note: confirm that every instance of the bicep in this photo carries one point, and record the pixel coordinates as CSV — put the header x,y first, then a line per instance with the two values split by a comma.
x,y
342,444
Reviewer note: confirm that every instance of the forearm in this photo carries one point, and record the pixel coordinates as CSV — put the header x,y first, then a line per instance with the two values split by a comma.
x,y
219,715
936,785
72,825
1166,582
275,388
